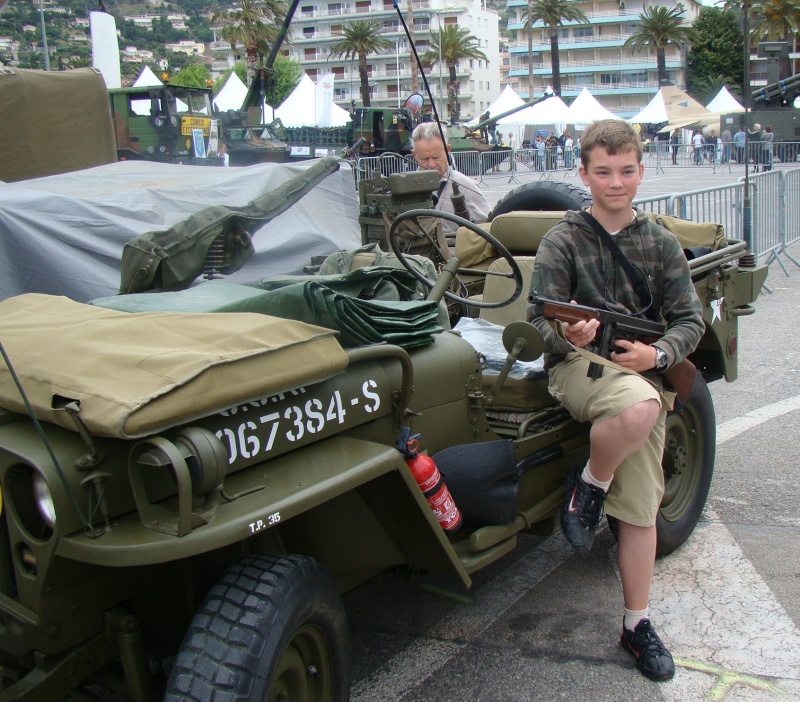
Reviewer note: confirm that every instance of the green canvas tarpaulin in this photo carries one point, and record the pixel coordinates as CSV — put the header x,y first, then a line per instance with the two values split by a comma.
x,y
348,303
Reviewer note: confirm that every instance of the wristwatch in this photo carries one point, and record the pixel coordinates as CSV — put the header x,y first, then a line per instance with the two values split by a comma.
x,y
661,359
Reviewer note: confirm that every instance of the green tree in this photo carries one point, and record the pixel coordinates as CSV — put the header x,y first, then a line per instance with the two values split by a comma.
x,y
774,20
79,62
453,43
359,39
253,24
551,13
658,27
716,50
286,74
193,76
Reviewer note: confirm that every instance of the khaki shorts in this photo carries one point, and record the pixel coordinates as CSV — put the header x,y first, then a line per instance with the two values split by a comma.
x,y
638,485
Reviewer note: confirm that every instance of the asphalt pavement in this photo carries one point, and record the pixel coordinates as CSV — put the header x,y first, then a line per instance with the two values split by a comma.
x,y
544,624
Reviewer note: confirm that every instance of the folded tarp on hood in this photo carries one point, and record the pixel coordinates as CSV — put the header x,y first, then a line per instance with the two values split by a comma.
x,y
139,374
350,303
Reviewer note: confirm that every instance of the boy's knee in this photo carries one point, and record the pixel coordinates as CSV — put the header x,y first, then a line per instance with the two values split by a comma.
x,y
639,419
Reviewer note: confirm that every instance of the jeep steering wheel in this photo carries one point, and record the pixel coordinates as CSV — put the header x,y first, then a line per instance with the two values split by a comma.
x,y
414,216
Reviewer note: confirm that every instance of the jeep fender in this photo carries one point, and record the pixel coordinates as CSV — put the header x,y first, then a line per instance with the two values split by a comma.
x,y
332,501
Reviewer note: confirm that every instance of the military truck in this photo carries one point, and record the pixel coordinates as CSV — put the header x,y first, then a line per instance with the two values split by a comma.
x,y
773,105
186,494
167,123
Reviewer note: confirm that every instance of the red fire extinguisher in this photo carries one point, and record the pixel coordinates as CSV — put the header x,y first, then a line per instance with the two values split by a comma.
x,y
430,482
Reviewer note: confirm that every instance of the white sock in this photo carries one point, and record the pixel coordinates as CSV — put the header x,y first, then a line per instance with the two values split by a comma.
x,y
633,617
589,479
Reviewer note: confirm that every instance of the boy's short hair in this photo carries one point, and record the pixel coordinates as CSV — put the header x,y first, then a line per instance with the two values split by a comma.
x,y
613,135
428,131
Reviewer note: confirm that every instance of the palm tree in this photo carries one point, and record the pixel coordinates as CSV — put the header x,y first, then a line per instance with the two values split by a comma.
x,y
453,43
361,38
551,13
253,24
658,27
708,87
774,19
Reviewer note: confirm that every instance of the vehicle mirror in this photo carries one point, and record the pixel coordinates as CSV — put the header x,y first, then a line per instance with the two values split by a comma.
x,y
533,345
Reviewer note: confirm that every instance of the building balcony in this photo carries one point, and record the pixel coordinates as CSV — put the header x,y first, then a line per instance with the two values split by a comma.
x,y
375,12
520,68
595,18
324,35
521,47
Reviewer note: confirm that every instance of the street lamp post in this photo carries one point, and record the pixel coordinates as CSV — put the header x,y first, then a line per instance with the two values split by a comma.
x,y
397,68
441,94
44,38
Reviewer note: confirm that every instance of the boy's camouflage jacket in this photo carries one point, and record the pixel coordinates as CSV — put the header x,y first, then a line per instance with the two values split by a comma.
x,y
573,264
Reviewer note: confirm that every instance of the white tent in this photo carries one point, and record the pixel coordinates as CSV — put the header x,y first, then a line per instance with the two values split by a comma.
x,y
586,109
551,111
654,112
508,100
298,110
146,78
232,94
725,102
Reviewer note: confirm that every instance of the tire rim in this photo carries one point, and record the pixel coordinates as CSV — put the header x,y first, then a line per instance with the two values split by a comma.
x,y
682,462
304,672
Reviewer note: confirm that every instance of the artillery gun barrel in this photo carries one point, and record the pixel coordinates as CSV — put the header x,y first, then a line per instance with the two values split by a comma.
x,y
494,118
774,90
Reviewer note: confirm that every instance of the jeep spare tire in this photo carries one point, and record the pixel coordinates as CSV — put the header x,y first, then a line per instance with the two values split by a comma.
x,y
272,628
542,196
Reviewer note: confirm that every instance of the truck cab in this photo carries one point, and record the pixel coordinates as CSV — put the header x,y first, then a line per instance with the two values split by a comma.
x,y
173,124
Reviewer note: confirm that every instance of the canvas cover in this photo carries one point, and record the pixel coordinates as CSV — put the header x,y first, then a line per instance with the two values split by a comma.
x,y
53,122
173,258
136,374
64,235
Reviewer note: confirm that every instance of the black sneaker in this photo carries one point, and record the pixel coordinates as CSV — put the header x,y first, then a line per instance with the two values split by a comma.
x,y
653,659
582,512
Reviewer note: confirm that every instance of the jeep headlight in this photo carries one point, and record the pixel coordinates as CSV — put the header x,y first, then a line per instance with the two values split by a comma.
x,y
44,500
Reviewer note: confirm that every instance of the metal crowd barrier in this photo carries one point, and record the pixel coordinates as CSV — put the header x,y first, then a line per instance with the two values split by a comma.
x,y
662,154
791,220
721,204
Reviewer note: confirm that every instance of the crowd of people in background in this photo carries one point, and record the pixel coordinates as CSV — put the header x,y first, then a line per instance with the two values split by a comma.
x,y
550,152
728,147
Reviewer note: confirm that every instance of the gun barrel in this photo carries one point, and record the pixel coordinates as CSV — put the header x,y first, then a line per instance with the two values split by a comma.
x,y
571,313
513,110
774,90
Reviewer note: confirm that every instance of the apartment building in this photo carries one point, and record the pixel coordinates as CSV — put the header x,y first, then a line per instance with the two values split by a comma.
x,y
318,26
592,55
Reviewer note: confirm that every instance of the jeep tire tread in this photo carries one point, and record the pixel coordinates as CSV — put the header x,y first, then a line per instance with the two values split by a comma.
x,y
273,628
688,462
542,196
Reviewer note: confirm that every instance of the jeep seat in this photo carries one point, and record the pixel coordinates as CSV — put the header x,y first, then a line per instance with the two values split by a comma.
x,y
520,232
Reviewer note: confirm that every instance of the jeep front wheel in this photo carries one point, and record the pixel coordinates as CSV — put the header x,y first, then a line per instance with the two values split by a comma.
x,y
273,628
688,463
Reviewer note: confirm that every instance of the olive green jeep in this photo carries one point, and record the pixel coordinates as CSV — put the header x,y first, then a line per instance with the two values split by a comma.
x,y
192,479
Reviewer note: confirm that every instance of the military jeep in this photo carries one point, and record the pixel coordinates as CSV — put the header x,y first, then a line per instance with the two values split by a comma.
x,y
191,478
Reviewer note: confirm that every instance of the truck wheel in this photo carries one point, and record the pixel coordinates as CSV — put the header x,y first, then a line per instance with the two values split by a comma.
x,y
542,196
688,463
273,628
